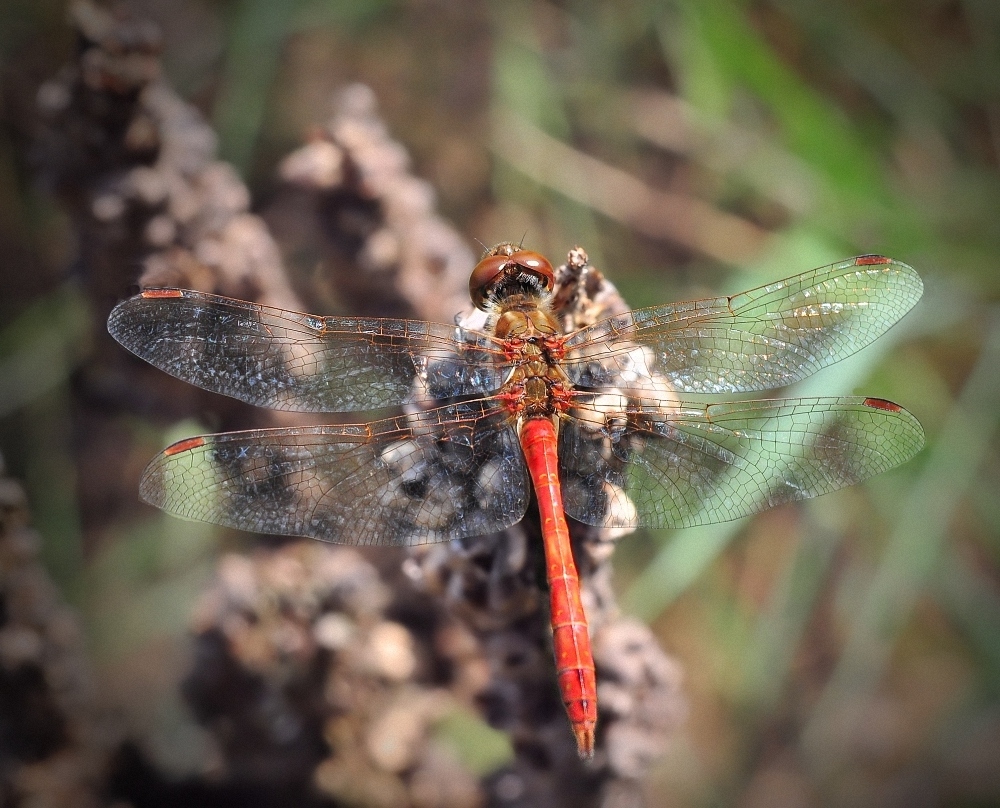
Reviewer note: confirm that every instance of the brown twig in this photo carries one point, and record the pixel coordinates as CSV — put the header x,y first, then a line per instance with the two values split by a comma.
x,y
686,220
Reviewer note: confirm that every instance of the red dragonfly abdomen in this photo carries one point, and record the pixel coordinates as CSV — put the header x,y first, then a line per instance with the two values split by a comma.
x,y
570,636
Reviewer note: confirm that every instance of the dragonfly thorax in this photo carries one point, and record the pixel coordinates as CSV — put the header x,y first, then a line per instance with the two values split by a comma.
x,y
537,386
529,323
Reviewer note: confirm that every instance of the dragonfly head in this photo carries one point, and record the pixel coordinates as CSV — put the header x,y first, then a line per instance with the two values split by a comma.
x,y
507,270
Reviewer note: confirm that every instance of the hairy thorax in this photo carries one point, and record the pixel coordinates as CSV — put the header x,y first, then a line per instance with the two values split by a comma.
x,y
537,386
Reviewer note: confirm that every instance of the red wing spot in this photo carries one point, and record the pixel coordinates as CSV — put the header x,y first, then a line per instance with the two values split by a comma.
x,y
882,404
185,446
871,260
152,294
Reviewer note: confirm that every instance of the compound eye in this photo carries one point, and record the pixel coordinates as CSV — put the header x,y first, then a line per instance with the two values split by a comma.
x,y
492,269
486,273
537,264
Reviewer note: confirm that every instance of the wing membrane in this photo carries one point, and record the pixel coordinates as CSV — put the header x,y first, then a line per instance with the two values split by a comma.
x,y
291,361
759,340
632,463
442,474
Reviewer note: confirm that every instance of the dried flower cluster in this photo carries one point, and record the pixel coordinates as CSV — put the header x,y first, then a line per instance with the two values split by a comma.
x,y
54,746
303,675
385,248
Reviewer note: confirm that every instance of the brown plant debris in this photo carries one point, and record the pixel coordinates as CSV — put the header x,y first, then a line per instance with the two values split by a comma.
x,y
55,746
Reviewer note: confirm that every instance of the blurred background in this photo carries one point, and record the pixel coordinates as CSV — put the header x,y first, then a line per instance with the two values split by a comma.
x,y
845,651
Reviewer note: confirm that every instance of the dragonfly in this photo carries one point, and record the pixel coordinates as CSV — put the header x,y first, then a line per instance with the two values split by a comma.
x,y
591,422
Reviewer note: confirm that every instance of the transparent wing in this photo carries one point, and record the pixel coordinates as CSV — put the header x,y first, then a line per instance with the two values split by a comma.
x,y
758,340
291,361
630,462
442,474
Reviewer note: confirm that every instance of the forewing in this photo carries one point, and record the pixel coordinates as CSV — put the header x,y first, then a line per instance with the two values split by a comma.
x,y
291,361
759,340
630,463
442,474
